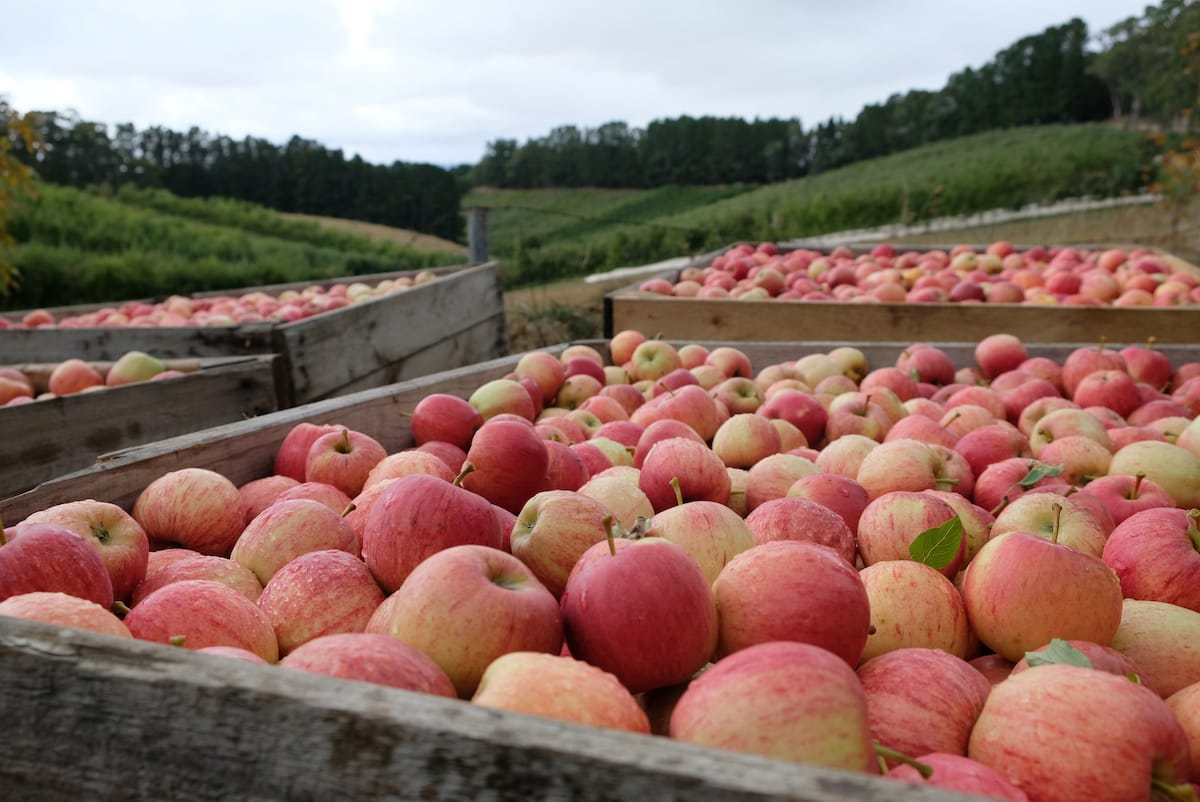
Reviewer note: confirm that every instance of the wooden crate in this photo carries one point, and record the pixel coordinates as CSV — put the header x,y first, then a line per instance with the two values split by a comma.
x,y
456,320
52,437
94,717
757,320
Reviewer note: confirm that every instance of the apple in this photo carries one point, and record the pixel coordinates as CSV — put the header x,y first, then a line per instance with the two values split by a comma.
x,y
465,606
1173,468
803,411
1185,704
957,773
64,610
447,418
367,657
745,439
1124,496
1053,517
258,494
892,521
52,558
653,359
680,469
343,459
319,593
553,529
712,533
1155,554
792,590
913,605
1022,590
622,345
133,366
287,529
620,495
1163,640
619,602
796,518
1102,658
405,462
1083,361
902,465
502,396
544,368
856,413
193,507
509,462
195,613
815,712
1082,458
1114,389
845,455
1004,481
998,353
1067,423
922,700
738,394
903,384
72,376
771,477
187,564
1057,704
841,494
931,364
576,389
118,539
690,404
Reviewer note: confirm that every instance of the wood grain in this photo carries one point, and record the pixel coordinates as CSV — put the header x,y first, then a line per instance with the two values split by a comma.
x,y
90,716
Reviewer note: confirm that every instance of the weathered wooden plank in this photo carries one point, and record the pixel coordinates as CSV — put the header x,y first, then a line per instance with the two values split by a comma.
x,y
327,353
53,437
89,716
736,320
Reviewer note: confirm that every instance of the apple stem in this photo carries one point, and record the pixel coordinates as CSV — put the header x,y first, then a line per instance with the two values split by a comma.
x,y
343,445
884,754
351,507
955,417
1194,531
1103,342
678,491
607,523
404,413
466,468
3,538
120,609
1179,793
177,640
1003,503
1137,485
1057,521
1151,341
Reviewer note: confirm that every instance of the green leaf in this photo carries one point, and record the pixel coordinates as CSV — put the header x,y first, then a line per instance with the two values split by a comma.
x,y
1039,471
937,547
1059,651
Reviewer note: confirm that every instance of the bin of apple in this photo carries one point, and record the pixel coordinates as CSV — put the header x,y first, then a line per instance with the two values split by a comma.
x,y
940,574
22,384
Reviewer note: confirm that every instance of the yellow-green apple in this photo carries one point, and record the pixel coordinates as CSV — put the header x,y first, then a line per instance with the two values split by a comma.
x,y
622,345
841,494
194,613
771,477
790,438
711,532
732,361
620,494
783,700
745,439
193,507
812,368
1173,468
958,773
116,536
1028,714
892,521
72,376
367,657
499,396
913,605
1163,640
133,366
1007,480
1102,658
1185,703
792,590
903,465
327,494
50,557
559,687
708,376
509,462
1086,360
653,359
999,353
1023,590
405,462
188,564
851,360
287,529
1189,438
553,529
258,494
922,700
845,454
448,418
576,389
738,394
417,516
586,420
64,610
645,613
544,368
319,593
680,469
343,459
739,479
796,518
1067,423
1156,555
464,606
1053,517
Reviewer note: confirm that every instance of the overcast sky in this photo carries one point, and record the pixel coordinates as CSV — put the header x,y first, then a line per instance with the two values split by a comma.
x,y
436,80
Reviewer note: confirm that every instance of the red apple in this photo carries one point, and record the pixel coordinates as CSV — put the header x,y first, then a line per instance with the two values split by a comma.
x,y
193,507
447,418
194,613
64,610
368,657
509,463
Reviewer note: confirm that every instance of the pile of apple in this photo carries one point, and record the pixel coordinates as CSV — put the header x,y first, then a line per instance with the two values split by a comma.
x,y
983,578
77,376
999,275
224,310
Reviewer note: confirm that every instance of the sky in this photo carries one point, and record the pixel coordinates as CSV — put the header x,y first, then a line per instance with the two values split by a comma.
x,y
437,80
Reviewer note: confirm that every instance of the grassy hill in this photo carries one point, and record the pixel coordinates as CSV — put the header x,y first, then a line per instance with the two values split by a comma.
x,y
543,235
79,247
